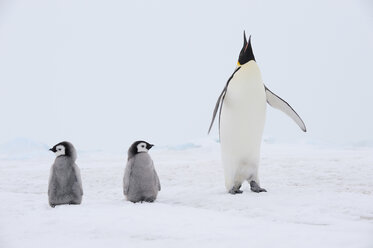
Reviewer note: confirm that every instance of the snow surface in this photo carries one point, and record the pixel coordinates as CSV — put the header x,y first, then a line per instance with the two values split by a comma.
x,y
317,197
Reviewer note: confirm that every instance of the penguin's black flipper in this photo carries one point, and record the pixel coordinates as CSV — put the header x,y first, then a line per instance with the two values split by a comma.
x,y
217,105
276,102
219,102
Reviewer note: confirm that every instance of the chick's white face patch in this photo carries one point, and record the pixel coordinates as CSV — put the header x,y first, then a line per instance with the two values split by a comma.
x,y
60,150
142,147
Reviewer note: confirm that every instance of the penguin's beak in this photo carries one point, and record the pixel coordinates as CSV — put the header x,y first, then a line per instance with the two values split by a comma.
x,y
150,146
52,150
246,53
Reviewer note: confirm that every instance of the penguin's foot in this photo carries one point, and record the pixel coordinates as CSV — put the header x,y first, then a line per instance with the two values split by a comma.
x,y
235,190
255,187
52,205
146,200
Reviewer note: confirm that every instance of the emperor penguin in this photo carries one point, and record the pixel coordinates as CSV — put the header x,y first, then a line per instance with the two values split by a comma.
x,y
65,183
140,181
242,113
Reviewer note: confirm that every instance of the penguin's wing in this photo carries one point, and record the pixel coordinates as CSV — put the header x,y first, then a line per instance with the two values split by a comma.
x,y
217,105
159,183
156,178
51,181
127,175
219,102
78,177
276,102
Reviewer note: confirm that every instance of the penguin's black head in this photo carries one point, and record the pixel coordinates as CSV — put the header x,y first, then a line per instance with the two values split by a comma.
x,y
139,146
246,53
63,148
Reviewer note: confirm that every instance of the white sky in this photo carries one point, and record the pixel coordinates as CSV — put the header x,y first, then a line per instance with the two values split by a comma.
x,y
102,74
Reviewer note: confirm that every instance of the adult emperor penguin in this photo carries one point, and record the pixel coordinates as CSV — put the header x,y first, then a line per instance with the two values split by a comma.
x,y
242,111
140,181
65,183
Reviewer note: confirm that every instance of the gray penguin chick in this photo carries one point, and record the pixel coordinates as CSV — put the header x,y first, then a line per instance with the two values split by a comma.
x,y
140,181
65,183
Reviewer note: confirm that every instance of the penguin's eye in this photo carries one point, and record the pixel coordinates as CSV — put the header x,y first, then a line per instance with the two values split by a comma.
x,y
143,146
59,149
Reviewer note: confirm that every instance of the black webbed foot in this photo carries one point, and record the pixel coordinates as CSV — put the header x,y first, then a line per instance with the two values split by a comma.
x,y
235,190
255,187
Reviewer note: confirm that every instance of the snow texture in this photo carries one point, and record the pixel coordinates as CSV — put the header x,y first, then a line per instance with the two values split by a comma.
x,y
317,197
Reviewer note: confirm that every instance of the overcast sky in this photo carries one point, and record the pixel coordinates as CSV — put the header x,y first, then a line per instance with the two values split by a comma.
x,y
102,74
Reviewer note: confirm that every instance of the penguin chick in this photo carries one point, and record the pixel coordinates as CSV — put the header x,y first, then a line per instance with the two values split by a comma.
x,y
140,181
65,183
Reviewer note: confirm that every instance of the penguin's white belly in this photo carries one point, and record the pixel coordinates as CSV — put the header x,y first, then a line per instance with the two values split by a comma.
x,y
241,125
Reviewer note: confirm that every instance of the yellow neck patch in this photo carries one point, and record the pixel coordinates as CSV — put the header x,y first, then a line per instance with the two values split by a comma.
x,y
238,63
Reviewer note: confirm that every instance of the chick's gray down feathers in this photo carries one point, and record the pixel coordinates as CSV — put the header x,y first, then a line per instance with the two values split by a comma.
x,y
140,182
